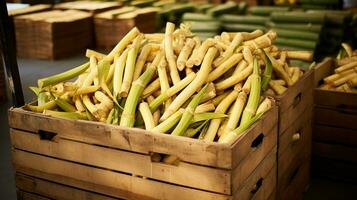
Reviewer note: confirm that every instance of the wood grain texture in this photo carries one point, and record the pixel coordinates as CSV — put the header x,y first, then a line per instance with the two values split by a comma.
x,y
334,152
335,135
342,118
294,101
28,184
101,180
187,174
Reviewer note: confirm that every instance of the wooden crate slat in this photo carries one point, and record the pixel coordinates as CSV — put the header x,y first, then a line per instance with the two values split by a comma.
x,y
138,140
252,159
101,180
293,102
335,135
344,118
303,127
30,9
334,151
196,176
22,195
266,171
54,190
299,184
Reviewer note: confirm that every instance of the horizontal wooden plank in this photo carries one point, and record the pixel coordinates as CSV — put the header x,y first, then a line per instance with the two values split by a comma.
x,y
22,195
322,70
262,182
101,180
54,190
186,174
334,169
334,135
301,128
30,9
343,118
254,158
296,98
334,151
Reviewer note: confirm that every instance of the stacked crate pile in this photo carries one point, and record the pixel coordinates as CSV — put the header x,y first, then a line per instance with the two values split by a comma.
x,y
335,130
53,34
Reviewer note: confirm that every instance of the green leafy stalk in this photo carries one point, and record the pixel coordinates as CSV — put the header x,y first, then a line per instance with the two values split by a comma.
x,y
207,116
64,105
64,76
267,72
169,123
254,95
193,131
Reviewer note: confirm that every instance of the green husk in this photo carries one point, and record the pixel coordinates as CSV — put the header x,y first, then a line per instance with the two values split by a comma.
x,y
242,27
316,28
247,19
64,76
197,17
267,72
266,10
64,105
297,34
298,17
207,116
254,95
229,7
169,123
193,131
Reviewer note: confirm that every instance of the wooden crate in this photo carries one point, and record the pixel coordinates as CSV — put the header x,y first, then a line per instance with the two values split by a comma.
x,y
110,29
53,34
295,100
117,162
2,85
29,10
93,7
335,130
293,153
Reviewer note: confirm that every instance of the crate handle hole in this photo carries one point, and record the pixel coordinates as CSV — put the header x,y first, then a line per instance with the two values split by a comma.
x,y
257,186
257,141
165,158
297,99
46,135
345,109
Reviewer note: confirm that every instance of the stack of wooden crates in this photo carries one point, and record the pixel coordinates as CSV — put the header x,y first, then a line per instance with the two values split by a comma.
x,y
53,34
335,130
111,26
294,141
57,158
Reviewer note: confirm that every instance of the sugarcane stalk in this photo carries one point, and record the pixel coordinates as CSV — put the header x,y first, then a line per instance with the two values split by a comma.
x,y
171,91
237,40
169,123
130,67
333,77
254,95
164,81
296,74
207,116
92,74
221,108
191,132
205,107
64,76
265,105
224,67
300,55
278,88
197,58
147,116
278,68
69,115
193,86
169,52
139,65
110,116
346,67
344,79
47,106
91,53
151,88
64,105
210,93
187,116
86,90
185,53
119,64
267,72
128,116
234,79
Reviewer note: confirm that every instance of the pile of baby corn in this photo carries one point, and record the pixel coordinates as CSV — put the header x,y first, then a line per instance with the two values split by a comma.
x,y
174,83
344,78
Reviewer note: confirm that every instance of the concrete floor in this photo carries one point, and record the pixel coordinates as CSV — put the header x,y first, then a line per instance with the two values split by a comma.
x,y
31,70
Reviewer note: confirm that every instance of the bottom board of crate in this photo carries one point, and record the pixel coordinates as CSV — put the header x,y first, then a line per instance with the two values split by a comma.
x,y
260,185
